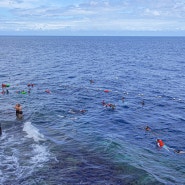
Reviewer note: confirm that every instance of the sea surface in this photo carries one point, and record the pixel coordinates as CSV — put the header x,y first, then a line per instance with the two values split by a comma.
x,y
57,143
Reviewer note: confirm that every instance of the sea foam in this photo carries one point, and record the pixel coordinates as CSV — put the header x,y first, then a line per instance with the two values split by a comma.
x,y
33,132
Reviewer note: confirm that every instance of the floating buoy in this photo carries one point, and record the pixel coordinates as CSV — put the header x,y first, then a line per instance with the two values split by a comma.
x,y
106,90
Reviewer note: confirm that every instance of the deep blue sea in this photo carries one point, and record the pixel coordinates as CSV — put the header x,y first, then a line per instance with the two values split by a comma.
x,y
57,144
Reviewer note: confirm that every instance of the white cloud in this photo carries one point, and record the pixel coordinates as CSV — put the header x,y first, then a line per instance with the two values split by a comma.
x,y
93,15
152,12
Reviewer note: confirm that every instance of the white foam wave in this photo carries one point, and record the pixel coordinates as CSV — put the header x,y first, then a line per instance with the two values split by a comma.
x,y
61,116
3,136
41,154
33,132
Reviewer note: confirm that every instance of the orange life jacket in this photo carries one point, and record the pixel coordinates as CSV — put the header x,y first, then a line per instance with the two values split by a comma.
x,y
160,143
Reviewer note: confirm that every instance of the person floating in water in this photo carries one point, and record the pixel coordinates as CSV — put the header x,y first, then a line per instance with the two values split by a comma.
x,y
179,151
113,106
91,81
19,113
161,144
147,128
30,85
143,103
103,103
48,91
81,111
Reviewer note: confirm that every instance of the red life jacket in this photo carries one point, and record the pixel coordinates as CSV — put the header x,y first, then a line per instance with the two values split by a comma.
x,y
160,143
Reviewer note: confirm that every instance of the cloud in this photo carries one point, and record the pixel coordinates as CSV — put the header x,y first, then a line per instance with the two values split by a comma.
x,y
152,12
92,15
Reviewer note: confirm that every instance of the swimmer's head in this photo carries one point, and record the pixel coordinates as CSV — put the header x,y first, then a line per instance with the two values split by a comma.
x,y
147,128
177,151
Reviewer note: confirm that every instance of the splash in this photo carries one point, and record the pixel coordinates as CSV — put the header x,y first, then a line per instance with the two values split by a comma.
x,y
41,155
33,132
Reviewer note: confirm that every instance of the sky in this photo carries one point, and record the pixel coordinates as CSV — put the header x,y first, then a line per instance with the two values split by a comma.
x,y
93,17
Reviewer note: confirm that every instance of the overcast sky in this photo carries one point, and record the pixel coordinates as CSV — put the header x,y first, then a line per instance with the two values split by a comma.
x,y
92,17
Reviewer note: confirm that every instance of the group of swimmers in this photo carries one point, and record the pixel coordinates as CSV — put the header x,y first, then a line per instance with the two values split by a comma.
x,y
159,142
19,113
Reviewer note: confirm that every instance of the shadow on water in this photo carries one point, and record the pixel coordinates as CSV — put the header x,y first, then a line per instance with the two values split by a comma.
x,y
89,168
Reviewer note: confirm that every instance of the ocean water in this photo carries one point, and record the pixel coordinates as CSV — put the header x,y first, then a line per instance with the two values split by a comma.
x,y
55,143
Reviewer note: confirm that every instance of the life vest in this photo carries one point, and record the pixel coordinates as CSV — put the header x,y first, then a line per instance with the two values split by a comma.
x,y
160,143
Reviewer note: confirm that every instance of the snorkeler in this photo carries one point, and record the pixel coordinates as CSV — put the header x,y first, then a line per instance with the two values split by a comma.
x,y
113,106
161,144
73,111
19,112
179,151
147,128
103,103
82,111
91,81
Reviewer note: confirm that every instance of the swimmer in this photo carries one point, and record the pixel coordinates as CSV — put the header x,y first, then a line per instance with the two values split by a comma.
x,y
147,128
19,112
72,111
103,103
108,105
83,111
143,103
23,92
161,144
123,99
29,91
30,85
47,91
3,91
112,105
91,81
179,151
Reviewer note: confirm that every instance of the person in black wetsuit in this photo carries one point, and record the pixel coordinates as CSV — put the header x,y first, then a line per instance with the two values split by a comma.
x,y
19,112
179,151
